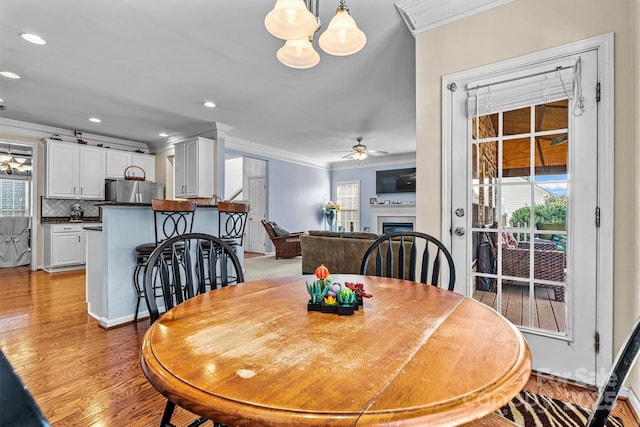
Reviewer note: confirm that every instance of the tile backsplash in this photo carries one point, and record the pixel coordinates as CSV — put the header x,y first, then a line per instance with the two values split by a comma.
x,y
62,207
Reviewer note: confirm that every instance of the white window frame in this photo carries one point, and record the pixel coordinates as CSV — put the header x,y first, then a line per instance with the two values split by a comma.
x,y
344,208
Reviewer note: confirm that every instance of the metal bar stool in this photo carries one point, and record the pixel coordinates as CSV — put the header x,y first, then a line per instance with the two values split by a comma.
x,y
232,220
171,218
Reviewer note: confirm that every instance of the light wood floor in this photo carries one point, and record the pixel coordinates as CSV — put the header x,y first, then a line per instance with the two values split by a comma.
x,y
82,375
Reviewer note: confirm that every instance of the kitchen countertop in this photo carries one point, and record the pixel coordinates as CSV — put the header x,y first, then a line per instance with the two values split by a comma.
x,y
66,219
136,205
93,227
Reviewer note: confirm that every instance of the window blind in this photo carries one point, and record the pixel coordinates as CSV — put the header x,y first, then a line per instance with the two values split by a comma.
x,y
539,86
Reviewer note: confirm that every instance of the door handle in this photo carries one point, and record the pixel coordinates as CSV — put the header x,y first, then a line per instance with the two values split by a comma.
x,y
459,231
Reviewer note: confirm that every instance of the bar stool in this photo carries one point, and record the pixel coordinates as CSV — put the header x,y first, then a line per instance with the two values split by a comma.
x,y
171,218
232,220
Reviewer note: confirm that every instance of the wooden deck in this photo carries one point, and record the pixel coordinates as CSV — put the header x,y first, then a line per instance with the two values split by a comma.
x,y
549,315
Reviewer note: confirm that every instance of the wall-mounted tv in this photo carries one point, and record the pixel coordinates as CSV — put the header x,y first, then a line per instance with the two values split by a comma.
x,y
396,181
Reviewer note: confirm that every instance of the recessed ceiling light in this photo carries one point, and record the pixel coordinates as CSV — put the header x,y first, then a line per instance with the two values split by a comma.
x,y
9,75
163,134
94,120
1,99
32,38
209,104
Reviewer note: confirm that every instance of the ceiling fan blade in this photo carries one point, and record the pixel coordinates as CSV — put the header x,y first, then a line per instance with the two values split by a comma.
x,y
378,152
347,156
559,140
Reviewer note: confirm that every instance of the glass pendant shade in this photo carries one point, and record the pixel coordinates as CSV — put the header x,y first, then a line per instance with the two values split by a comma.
x,y
290,19
342,37
298,54
359,155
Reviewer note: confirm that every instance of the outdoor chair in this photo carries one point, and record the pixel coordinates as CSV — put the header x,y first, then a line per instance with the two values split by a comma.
x,y
181,264
409,255
287,244
549,264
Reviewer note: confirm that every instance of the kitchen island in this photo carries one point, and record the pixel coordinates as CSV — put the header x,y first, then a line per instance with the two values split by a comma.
x,y
111,259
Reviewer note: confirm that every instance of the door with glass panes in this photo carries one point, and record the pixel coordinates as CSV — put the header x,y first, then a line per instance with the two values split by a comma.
x,y
524,229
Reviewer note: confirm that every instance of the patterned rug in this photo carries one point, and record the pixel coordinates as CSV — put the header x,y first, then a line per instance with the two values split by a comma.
x,y
535,410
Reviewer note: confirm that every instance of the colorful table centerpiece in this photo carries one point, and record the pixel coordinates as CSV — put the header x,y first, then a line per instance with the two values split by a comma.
x,y
328,296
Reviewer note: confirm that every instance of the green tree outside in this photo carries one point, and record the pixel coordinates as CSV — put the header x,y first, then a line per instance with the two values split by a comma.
x,y
554,210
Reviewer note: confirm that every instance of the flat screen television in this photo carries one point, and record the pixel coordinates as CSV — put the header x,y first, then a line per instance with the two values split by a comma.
x,y
396,181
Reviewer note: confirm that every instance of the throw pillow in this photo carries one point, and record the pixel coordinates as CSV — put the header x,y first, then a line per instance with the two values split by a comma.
x,y
279,231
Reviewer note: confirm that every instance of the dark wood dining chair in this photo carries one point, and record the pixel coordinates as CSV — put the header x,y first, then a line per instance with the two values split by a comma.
x,y
180,263
409,255
536,409
171,218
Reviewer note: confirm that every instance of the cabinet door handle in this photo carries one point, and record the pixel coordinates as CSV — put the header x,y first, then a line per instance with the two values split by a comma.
x,y
74,190
81,191
78,239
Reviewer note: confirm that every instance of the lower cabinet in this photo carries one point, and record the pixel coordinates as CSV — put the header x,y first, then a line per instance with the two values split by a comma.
x,y
64,247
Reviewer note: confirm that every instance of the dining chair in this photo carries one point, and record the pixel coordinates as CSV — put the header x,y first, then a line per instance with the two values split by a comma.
x,y
171,218
409,255
180,262
534,409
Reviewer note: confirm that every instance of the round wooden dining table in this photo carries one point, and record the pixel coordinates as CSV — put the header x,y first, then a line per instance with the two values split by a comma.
x,y
413,354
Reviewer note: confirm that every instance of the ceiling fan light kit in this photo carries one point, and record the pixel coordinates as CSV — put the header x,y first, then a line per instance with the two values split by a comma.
x,y
296,21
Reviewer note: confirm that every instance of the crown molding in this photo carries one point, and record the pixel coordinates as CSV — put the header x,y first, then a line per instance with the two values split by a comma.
x,y
424,15
37,131
394,159
237,144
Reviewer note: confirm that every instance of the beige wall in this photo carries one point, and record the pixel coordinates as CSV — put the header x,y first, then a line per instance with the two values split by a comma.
x,y
518,28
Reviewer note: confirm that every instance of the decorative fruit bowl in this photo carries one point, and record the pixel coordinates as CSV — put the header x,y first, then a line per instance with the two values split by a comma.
x,y
328,296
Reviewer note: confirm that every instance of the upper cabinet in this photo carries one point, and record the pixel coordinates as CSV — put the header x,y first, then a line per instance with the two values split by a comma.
x,y
194,168
118,161
74,171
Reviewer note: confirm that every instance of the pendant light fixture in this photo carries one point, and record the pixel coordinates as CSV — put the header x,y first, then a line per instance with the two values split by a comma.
x,y
296,21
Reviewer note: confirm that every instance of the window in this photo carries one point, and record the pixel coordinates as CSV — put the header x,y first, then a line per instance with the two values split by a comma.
x,y
13,198
348,195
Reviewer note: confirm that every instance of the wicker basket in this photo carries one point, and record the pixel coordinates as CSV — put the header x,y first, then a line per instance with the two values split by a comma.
x,y
128,174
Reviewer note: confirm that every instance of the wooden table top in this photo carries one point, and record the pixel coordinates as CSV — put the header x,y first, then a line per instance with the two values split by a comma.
x,y
252,354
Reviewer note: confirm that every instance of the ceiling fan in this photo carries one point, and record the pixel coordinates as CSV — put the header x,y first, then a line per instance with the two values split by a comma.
x,y
360,151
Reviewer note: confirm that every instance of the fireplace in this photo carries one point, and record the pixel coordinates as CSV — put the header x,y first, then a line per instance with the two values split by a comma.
x,y
390,227
392,213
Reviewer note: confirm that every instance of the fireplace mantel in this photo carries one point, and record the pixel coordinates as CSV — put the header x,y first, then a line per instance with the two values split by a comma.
x,y
392,213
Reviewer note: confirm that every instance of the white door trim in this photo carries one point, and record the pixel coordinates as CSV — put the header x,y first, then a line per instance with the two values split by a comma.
x,y
604,289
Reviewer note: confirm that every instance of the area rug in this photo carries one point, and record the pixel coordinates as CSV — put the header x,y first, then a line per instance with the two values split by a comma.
x,y
529,409
263,267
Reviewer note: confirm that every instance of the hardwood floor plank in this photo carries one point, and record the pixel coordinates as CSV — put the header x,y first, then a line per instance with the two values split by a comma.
x,y
83,375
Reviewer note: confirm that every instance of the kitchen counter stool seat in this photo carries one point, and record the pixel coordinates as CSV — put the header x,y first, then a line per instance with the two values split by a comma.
x,y
171,218
232,220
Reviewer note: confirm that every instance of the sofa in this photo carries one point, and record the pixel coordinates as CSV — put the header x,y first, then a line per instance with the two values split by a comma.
x,y
340,252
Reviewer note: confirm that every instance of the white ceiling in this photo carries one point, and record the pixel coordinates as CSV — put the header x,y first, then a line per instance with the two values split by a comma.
x,y
145,66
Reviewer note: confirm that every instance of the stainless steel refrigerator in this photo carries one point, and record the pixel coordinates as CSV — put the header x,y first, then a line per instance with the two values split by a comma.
x,y
131,191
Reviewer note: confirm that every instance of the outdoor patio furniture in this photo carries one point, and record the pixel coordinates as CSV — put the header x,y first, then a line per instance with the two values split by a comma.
x,y
549,264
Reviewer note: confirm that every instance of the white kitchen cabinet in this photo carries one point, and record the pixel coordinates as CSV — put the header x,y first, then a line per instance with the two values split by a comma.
x,y
64,247
194,168
118,161
74,171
